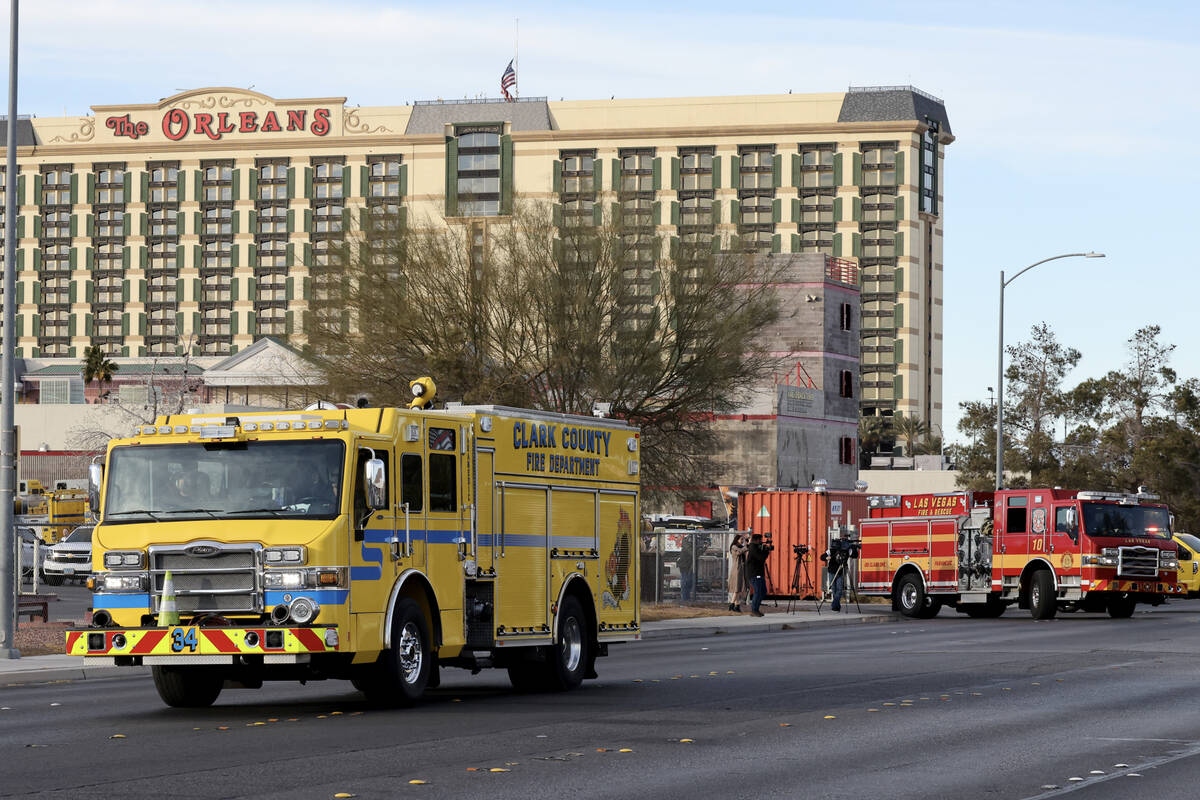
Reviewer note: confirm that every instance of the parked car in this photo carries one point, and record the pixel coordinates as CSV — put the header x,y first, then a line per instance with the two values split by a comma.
x,y
31,549
70,558
1189,562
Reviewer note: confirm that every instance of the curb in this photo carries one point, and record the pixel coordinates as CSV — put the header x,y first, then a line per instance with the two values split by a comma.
x,y
57,674
767,627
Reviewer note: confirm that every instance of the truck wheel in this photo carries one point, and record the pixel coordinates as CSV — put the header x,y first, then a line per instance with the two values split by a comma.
x,y
567,660
910,597
1042,601
187,687
1121,607
402,673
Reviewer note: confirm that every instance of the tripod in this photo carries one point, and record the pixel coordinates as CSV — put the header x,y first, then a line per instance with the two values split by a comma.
x,y
802,585
841,574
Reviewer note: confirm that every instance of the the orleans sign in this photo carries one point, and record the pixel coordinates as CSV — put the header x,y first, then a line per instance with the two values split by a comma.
x,y
215,114
178,123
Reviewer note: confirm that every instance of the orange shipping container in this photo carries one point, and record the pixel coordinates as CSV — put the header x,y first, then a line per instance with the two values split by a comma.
x,y
798,518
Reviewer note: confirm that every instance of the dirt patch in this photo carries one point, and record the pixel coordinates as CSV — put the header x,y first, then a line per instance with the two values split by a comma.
x,y
41,638
652,612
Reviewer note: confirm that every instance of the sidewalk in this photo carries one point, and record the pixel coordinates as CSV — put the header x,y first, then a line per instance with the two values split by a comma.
x,y
46,669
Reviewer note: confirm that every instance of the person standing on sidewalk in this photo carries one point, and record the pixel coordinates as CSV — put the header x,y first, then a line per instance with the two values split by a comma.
x,y
737,572
756,571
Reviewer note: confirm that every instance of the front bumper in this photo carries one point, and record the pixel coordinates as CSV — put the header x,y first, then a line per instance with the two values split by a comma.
x,y
196,645
1143,586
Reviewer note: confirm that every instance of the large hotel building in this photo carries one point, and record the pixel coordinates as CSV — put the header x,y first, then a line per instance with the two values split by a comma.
x,y
192,221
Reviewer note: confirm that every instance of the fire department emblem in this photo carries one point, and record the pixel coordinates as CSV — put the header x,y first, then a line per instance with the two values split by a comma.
x,y
1038,520
1067,561
616,568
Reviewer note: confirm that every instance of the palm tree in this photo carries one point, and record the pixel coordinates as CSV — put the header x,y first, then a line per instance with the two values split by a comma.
x,y
912,429
97,366
873,432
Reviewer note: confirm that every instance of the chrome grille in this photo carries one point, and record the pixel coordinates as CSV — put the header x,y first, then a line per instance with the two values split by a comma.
x,y
226,581
1137,562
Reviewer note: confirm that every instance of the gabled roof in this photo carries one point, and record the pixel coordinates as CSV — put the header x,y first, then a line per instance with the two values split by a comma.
x,y
267,362
25,135
75,369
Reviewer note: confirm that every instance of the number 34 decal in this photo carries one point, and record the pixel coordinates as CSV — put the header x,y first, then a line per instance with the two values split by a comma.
x,y
183,639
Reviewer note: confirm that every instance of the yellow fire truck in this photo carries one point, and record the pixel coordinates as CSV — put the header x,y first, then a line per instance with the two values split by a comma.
x,y
375,545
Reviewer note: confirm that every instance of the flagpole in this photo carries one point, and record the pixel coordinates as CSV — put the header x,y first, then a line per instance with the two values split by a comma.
x,y
517,53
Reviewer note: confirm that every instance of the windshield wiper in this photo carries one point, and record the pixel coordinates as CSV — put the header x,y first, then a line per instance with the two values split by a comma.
x,y
212,512
274,511
148,512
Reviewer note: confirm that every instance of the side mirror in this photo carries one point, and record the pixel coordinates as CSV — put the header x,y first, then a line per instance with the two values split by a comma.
x,y
1072,521
95,478
375,481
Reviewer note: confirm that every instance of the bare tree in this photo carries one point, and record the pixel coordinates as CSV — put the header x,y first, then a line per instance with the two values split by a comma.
x,y
553,316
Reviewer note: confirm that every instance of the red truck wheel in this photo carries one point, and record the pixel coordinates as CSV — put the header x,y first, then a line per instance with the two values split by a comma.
x,y
1042,601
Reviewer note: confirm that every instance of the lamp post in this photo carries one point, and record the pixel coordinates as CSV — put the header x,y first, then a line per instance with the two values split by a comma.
x,y
1000,360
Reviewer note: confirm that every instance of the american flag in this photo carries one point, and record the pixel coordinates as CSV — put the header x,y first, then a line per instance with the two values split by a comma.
x,y
507,81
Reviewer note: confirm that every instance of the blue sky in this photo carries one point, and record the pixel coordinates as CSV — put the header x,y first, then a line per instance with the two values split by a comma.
x,y
1074,120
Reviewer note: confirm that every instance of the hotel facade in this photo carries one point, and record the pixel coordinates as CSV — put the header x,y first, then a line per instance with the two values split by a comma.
x,y
192,222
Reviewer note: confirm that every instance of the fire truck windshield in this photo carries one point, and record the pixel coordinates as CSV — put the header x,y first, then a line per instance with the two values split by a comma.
x,y
1110,519
224,480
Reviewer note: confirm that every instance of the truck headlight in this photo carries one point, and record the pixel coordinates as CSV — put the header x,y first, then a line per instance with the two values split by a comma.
x,y
284,555
124,559
122,583
284,579
1104,560
1168,563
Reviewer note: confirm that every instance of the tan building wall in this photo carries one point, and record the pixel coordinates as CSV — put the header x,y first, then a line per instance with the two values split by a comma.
x,y
217,315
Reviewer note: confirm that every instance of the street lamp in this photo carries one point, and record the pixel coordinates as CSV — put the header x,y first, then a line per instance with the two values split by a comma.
x,y
1000,360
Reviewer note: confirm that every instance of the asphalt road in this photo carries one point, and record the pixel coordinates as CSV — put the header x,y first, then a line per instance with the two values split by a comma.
x,y
947,708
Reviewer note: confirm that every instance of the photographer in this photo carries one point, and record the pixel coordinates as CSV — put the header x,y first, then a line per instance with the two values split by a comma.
x,y
837,561
756,570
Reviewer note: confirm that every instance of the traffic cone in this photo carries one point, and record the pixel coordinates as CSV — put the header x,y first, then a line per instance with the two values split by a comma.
x,y
168,614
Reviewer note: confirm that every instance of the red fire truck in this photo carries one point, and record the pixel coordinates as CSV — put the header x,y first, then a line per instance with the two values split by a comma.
x,y
1043,549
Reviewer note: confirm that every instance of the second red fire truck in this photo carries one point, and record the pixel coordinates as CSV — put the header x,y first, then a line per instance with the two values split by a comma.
x,y
1043,549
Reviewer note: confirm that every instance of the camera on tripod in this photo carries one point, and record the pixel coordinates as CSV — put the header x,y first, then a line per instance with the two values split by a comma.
x,y
801,549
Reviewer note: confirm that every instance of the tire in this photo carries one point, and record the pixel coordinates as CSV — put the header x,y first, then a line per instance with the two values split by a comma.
x,y
187,687
1042,601
1121,607
911,599
931,608
567,659
401,675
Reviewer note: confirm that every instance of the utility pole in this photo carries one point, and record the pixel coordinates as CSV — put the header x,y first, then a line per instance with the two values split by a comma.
x,y
8,437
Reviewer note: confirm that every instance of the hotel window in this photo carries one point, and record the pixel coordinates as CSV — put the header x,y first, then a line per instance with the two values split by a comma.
x,y
694,186
272,252
636,197
637,171
108,289
163,182
879,207
56,224
756,197
272,321
878,241
162,338
271,288
163,256
107,328
816,166
383,177
815,221
109,184
56,292
216,257
929,168
327,217
878,164
577,187
271,200
327,178
110,222
56,185
478,170
160,291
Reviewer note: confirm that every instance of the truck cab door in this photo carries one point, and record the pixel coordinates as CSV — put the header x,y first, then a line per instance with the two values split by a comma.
x,y
485,514
372,568
1065,539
